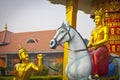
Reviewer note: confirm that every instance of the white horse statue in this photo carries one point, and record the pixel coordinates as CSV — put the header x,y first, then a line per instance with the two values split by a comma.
x,y
79,65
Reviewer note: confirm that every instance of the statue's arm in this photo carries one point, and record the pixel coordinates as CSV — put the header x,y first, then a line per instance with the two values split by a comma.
x,y
90,41
39,63
39,57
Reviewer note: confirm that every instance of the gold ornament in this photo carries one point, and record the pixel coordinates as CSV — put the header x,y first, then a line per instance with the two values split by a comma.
x,y
99,12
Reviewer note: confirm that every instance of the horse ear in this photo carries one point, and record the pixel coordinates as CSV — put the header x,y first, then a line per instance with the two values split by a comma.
x,y
63,24
67,23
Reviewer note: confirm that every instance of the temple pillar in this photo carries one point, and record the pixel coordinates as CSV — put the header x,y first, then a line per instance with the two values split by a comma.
x,y
71,15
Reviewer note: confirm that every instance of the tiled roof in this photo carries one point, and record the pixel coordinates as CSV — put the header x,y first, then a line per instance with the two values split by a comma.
x,y
41,38
1,35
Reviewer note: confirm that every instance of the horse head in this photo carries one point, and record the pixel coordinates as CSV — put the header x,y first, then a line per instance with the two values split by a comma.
x,y
62,35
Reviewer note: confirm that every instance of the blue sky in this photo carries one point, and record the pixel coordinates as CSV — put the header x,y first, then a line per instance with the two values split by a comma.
x,y
38,15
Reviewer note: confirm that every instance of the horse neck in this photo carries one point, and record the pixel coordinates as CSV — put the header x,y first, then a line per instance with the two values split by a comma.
x,y
77,43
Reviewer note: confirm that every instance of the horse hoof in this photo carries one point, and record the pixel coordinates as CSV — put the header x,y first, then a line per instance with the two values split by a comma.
x,y
95,77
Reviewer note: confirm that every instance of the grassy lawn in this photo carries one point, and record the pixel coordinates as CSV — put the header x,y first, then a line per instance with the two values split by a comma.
x,y
34,78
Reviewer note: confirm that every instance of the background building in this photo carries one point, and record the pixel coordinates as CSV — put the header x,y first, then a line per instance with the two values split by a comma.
x,y
34,42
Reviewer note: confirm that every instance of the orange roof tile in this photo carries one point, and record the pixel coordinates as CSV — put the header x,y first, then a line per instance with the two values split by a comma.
x,y
41,45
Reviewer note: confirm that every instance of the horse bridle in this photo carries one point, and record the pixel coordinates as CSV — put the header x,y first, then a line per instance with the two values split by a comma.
x,y
68,32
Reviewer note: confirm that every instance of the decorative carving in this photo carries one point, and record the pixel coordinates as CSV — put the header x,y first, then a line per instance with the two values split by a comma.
x,y
106,5
114,6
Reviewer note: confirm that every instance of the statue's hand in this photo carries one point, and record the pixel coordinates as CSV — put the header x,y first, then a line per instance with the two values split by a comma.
x,y
89,45
39,56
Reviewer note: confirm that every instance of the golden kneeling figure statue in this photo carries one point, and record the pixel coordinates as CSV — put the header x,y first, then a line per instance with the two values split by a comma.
x,y
25,67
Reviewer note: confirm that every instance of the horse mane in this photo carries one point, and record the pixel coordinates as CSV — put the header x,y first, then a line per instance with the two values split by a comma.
x,y
79,35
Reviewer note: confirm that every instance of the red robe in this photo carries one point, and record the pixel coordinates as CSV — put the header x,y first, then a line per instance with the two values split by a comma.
x,y
100,60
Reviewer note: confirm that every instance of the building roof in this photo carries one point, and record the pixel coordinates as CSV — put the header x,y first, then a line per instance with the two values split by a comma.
x,y
83,5
33,42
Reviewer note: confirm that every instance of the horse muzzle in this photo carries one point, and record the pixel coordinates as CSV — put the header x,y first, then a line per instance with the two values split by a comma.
x,y
53,44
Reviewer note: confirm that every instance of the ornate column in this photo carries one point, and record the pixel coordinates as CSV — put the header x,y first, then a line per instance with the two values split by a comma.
x,y
111,9
71,15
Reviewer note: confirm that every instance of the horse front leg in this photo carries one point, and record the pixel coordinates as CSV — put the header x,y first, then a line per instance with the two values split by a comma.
x,y
71,71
